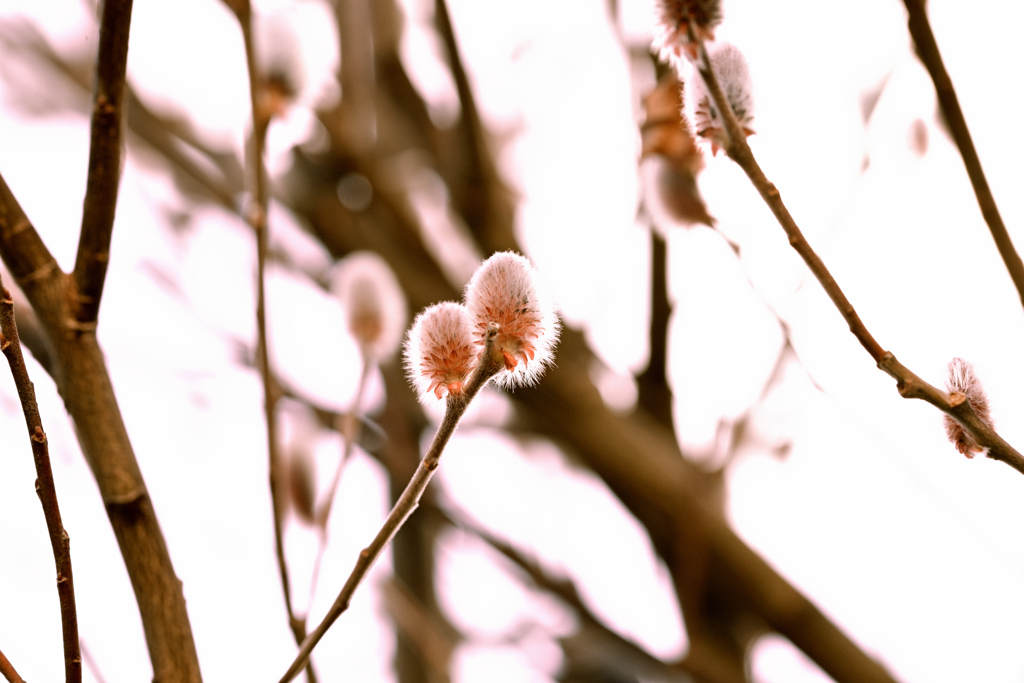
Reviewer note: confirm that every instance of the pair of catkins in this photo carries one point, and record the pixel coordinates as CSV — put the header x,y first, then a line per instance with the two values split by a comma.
x,y
681,27
445,341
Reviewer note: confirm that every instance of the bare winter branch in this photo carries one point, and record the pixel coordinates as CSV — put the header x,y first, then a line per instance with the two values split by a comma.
x,y
104,159
8,671
60,543
928,51
908,383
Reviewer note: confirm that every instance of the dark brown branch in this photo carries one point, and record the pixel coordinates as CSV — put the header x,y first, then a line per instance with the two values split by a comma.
x,y
654,394
928,52
104,160
908,384
80,372
8,672
60,543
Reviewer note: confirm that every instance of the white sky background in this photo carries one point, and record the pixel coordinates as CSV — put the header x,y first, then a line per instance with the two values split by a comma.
x,y
911,548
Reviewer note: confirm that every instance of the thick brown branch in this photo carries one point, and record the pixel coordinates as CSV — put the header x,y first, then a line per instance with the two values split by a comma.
x,y
928,51
60,543
104,160
20,245
80,372
8,672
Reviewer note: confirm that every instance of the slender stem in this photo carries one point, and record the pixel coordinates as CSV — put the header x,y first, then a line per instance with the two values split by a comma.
x,y
104,159
8,672
455,408
739,151
60,543
908,383
349,428
257,218
928,51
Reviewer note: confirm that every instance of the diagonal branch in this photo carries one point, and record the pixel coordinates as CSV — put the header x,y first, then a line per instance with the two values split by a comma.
x,y
59,541
7,670
455,408
104,160
908,383
928,52
21,247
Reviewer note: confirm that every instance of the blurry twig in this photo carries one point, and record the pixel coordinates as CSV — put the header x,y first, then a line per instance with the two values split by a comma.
x,y
565,590
349,426
909,385
8,672
256,215
60,544
104,160
928,52
455,406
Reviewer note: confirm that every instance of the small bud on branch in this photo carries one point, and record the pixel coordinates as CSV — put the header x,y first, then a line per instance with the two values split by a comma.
x,y
962,380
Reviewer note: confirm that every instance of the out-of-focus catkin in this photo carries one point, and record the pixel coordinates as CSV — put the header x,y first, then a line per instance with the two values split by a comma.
x,y
676,20
733,76
962,379
375,307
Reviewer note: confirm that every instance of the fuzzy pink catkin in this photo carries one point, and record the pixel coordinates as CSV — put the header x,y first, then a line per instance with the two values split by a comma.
x,y
673,21
440,351
963,380
506,290
374,304
733,74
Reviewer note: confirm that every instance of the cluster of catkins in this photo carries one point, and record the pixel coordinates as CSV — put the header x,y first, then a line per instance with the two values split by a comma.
x,y
446,340
682,26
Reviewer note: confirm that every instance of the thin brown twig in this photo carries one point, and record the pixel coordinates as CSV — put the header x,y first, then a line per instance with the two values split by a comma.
x,y
256,215
8,671
349,426
455,407
104,160
60,543
908,383
928,52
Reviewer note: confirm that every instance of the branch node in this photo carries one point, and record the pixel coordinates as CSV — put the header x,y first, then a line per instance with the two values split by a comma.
x,y
41,272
